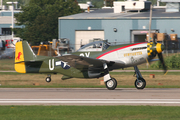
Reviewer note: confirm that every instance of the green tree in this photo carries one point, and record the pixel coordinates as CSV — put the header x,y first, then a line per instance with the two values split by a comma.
x,y
109,3
40,19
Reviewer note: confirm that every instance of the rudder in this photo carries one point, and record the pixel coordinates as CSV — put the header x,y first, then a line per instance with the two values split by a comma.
x,y
23,52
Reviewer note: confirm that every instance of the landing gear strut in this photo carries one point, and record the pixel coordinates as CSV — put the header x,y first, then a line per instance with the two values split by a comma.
x,y
139,83
48,79
111,83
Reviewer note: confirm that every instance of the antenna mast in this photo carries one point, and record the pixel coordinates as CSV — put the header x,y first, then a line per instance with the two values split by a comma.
x,y
150,19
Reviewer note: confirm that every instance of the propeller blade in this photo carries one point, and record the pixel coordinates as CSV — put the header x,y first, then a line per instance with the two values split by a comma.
x,y
162,62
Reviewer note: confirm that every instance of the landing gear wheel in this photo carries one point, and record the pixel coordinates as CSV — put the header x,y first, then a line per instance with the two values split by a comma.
x,y
48,79
140,84
111,84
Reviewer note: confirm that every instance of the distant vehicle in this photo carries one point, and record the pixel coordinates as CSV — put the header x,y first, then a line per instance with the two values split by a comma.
x,y
43,50
52,48
7,48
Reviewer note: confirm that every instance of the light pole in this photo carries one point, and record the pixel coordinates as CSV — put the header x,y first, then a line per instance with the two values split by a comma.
x,y
1,4
12,15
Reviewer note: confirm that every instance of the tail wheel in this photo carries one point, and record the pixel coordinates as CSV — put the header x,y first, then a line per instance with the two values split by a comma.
x,y
48,79
111,84
140,84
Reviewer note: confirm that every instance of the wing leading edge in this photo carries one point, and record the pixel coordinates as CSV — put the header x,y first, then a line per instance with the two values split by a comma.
x,y
91,64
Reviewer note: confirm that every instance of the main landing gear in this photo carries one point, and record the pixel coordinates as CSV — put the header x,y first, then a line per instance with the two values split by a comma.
x,y
139,83
48,79
110,82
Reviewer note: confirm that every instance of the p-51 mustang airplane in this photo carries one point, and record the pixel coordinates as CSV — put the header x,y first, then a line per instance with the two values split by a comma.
x,y
93,60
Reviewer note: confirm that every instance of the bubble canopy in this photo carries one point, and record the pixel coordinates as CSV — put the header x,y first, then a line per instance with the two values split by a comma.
x,y
95,46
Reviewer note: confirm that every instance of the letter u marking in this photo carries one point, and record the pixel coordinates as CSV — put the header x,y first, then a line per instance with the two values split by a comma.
x,y
51,67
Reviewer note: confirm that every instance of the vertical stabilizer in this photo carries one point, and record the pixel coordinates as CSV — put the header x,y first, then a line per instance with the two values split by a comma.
x,y
23,53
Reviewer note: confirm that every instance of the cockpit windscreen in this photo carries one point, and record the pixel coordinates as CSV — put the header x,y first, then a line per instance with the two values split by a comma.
x,y
95,46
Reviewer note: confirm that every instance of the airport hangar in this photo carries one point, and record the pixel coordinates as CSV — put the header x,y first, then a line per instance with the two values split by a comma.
x,y
118,28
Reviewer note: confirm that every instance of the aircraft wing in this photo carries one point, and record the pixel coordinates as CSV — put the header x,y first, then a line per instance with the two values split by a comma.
x,y
93,64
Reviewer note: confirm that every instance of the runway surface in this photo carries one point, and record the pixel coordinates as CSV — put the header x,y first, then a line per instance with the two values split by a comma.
x,y
90,96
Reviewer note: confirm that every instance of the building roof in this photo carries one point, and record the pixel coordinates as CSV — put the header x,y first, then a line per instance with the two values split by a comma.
x,y
170,0
8,12
109,14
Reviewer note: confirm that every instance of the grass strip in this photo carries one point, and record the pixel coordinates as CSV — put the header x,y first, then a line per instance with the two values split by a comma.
x,y
124,79
89,113
112,73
